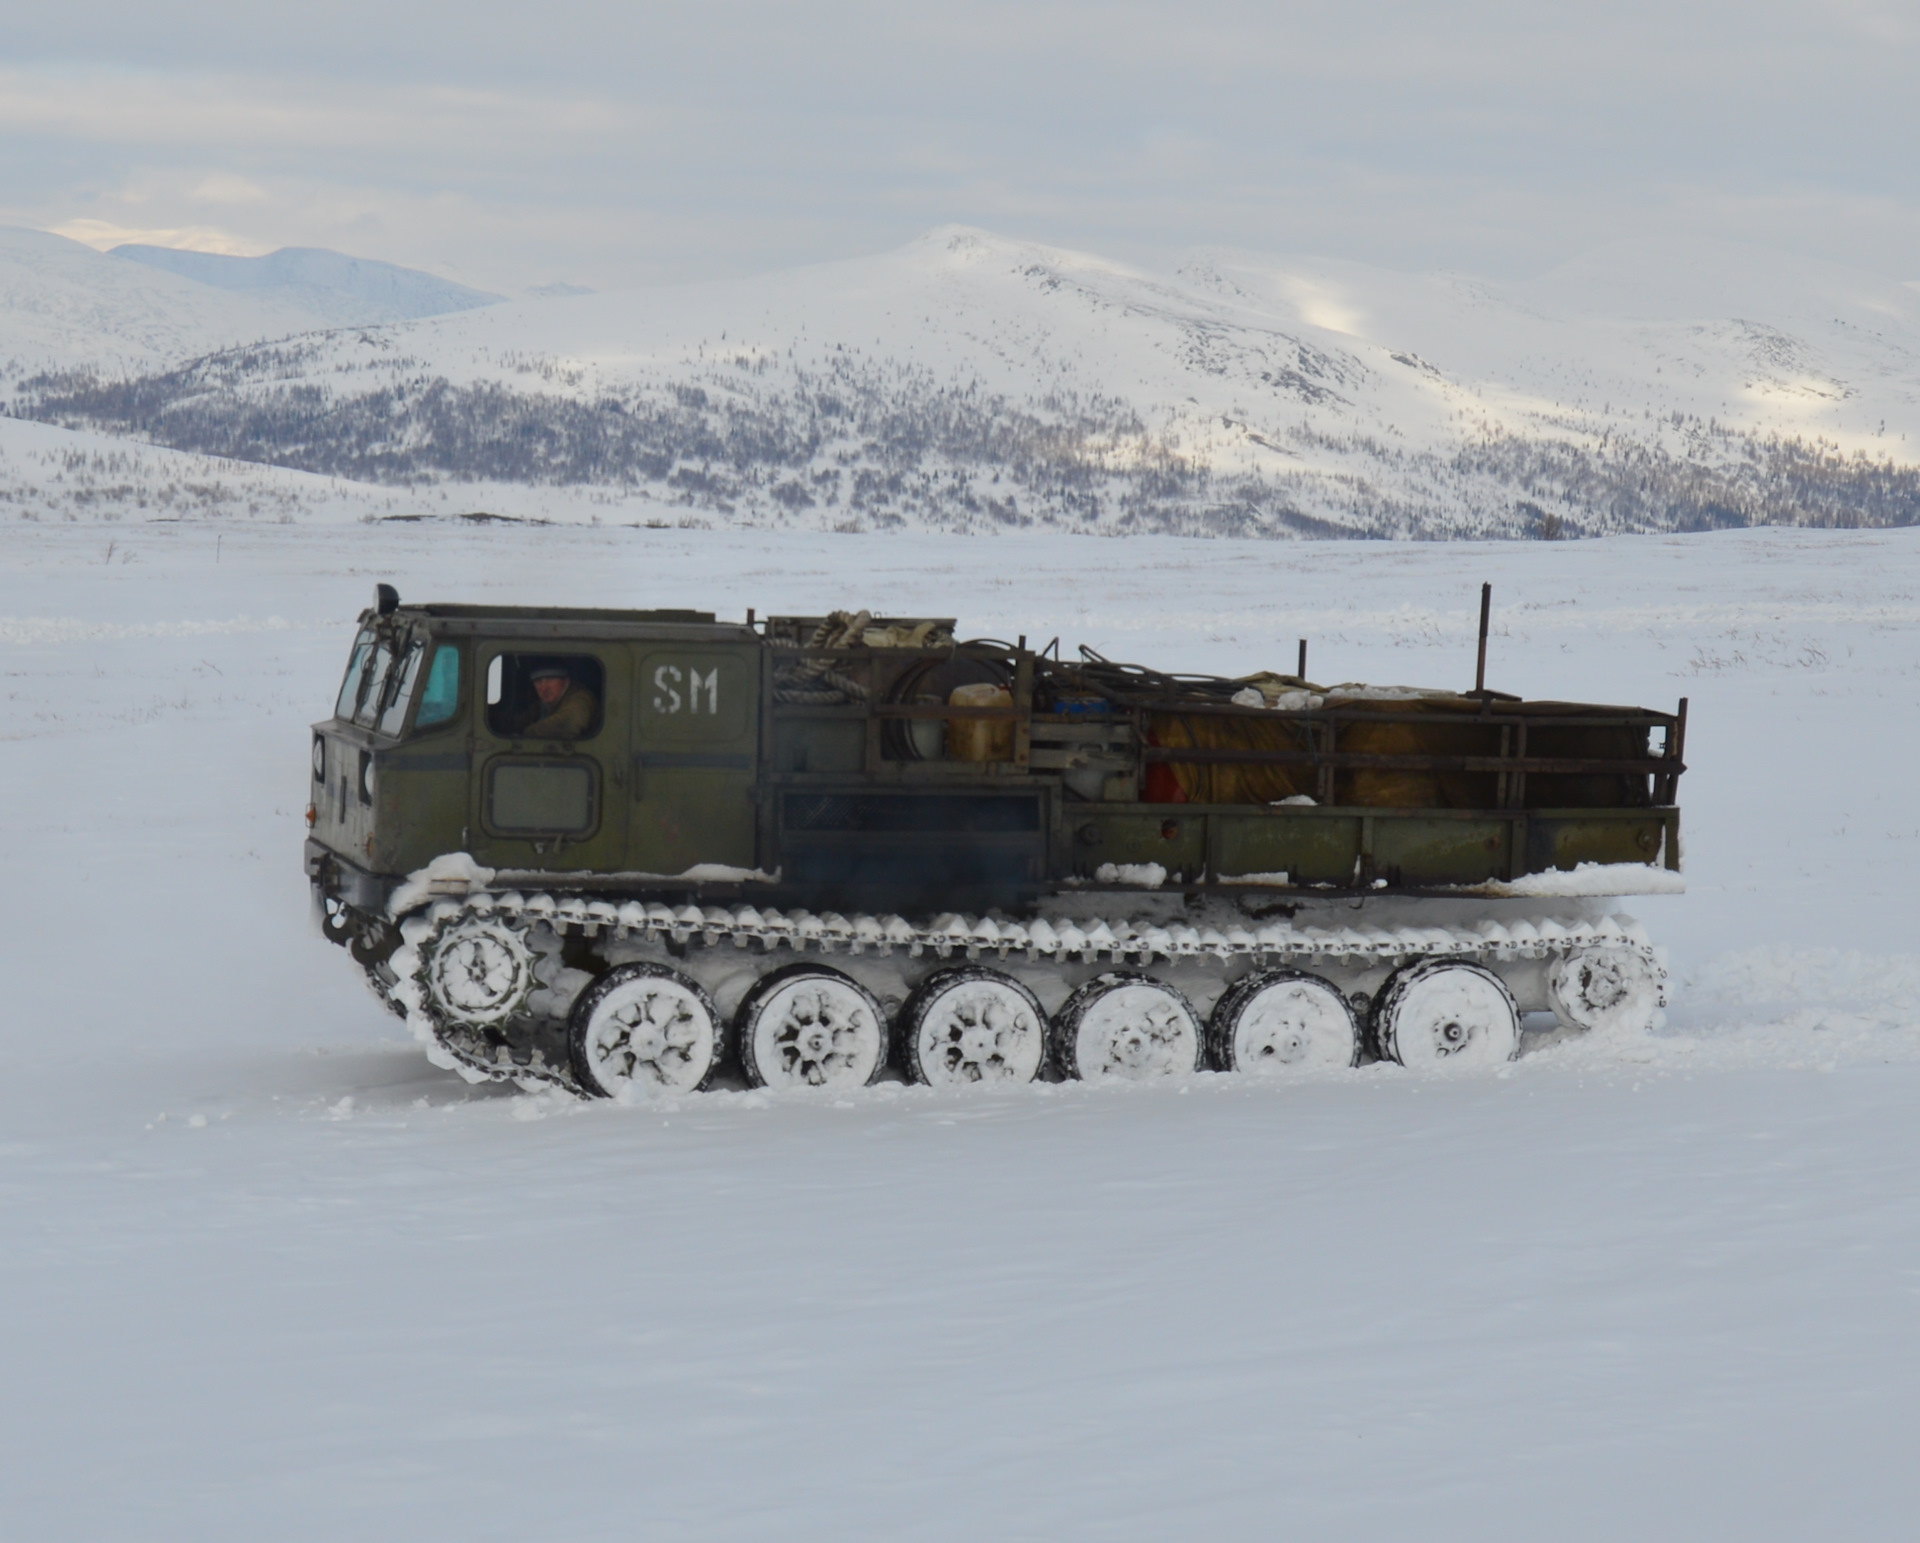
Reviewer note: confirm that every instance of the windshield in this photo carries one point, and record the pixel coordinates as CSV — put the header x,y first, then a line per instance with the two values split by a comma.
x,y
380,680
399,690
356,671
367,703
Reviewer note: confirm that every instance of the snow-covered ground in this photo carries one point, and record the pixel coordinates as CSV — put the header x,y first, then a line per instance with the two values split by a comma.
x,y
266,1274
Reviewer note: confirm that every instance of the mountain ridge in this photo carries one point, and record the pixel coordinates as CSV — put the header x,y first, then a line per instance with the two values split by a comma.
x,y
968,380
338,289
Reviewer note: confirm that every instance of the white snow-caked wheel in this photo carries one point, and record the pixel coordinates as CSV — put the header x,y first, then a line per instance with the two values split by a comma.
x,y
811,1027
647,1027
1447,1014
1277,1022
1127,1026
970,1025
481,971
1605,988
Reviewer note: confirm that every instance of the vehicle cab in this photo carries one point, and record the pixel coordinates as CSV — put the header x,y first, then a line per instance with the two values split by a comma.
x,y
440,741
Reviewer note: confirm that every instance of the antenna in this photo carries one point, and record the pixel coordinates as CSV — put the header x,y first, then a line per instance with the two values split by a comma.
x,y
1480,670
1301,673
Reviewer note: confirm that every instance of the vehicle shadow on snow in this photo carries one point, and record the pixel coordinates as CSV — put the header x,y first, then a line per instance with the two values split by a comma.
x,y
391,1078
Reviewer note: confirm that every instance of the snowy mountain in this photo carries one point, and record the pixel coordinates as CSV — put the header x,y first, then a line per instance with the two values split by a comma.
x,y
64,306
343,291
968,381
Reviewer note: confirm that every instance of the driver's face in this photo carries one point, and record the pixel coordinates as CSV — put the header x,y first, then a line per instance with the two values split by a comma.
x,y
550,688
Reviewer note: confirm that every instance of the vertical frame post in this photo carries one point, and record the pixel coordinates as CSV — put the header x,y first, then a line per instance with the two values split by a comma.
x,y
1486,611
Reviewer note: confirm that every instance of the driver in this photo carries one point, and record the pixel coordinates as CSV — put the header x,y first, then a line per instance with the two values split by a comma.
x,y
563,709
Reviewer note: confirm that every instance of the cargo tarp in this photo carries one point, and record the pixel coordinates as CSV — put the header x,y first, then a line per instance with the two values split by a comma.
x,y
1422,725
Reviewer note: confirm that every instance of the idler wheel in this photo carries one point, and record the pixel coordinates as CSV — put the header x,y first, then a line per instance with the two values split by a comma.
x,y
1605,988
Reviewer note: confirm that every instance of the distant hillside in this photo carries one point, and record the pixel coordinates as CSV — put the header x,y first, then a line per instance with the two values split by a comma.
x,y
343,291
65,306
971,382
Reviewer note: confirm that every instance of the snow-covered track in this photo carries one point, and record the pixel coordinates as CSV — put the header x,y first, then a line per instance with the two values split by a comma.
x,y
453,1029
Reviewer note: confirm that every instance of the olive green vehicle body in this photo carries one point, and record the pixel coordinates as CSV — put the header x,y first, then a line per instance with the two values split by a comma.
x,y
698,783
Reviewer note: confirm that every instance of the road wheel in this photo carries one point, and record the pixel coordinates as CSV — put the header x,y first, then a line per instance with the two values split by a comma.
x,y
647,1027
811,1027
1127,1026
1280,1022
971,1025
1446,1014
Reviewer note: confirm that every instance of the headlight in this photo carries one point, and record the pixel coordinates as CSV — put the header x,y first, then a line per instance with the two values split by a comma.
x,y
366,777
319,758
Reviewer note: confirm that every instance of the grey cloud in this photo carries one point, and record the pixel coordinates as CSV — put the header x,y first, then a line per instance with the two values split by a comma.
x,y
610,144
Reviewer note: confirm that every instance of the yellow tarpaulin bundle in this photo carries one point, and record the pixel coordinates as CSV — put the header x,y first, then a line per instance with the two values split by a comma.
x,y
1425,731
1432,723
1232,784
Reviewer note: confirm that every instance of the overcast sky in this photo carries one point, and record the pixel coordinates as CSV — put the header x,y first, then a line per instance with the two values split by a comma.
x,y
614,144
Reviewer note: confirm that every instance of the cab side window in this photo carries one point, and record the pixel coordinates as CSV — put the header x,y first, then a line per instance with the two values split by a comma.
x,y
546,696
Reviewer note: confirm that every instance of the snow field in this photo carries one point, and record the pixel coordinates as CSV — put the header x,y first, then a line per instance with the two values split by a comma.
x,y
1662,1286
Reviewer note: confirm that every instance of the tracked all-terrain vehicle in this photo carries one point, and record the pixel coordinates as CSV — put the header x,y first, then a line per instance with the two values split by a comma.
x,y
620,850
